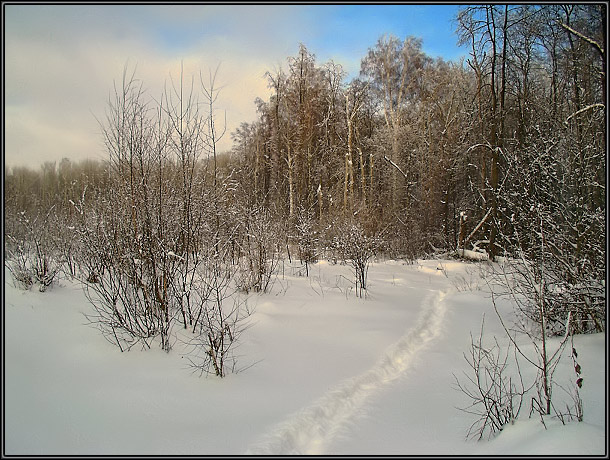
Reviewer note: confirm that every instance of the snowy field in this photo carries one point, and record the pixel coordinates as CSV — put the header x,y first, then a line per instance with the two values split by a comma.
x,y
321,372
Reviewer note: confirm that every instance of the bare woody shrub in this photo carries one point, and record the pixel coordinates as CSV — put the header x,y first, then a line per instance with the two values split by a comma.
x,y
307,237
259,249
356,247
224,318
494,389
31,251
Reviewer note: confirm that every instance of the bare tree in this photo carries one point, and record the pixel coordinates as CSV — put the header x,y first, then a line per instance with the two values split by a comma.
x,y
395,70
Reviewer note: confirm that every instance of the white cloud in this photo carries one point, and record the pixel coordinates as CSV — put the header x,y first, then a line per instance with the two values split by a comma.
x,y
61,60
60,71
33,137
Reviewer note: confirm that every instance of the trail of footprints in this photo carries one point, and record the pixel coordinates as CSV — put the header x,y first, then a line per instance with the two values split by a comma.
x,y
311,430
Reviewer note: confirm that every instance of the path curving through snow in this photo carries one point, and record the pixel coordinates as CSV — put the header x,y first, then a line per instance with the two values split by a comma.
x,y
311,430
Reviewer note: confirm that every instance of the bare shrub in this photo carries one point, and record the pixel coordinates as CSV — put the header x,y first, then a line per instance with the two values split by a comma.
x,y
225,318
525,285
356,247
496,394
260,254
307,238
31,254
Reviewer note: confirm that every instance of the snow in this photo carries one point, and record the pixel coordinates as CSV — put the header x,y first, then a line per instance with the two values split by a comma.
x,y
473,255
320,372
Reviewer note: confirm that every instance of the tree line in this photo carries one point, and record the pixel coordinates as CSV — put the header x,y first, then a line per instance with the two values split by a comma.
x,y
504,150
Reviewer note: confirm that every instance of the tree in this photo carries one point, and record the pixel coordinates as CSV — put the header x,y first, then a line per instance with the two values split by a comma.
x,y
394,70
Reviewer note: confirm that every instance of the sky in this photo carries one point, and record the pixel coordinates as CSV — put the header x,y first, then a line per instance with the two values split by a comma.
x,y
61,61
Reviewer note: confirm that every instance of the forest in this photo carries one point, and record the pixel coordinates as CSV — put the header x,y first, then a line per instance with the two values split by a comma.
x,y
500,155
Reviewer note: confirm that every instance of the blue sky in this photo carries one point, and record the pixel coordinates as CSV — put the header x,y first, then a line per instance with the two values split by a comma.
x,y
61,60
352,29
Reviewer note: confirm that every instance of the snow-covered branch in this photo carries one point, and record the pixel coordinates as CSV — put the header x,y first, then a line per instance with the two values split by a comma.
x,y
590,41
585,109
409,183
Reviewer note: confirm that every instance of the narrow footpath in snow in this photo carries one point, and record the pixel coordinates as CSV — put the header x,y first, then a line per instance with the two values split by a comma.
x,y
312,429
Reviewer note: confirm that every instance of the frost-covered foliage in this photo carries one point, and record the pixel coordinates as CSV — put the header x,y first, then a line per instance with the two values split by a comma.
x,y
356,247
557,235
544,191
159,243
31,248
307,238
130,276
259,248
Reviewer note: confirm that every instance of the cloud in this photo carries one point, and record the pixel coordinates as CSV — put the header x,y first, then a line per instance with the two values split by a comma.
x,y
33,137
61,61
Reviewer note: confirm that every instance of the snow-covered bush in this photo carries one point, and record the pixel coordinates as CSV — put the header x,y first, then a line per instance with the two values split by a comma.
x,y
159,243
31,251
18,264
135,229
128,281
554,226
307,238
260,255
357,248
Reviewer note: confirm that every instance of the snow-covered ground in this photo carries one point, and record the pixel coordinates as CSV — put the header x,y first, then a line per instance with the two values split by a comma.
x,y
322,372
